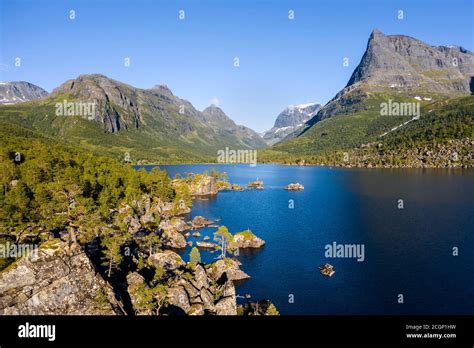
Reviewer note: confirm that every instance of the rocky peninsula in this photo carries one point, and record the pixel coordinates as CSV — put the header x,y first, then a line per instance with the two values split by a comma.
x,y
145,276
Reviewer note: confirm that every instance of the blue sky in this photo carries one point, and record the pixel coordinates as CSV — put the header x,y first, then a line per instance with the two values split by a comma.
x,y
282,61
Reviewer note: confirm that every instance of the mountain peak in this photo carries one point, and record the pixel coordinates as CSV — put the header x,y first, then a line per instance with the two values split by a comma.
x,y
399,61
13,92
163,89
376,34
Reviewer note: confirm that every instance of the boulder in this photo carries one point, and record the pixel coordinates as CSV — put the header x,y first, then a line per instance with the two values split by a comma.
x,y
207,299
257,184
262,307
229,266
173,239
196,309
167,259
200,222
247,239
200,278
294,187
206,245
226,306
56,280
203,185
178,297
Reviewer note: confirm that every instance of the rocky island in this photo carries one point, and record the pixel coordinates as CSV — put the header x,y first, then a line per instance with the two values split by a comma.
x,y
294,187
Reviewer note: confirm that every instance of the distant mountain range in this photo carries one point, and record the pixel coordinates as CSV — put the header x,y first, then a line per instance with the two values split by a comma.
x,y
394,68
17,92
148,124
154,125
289,121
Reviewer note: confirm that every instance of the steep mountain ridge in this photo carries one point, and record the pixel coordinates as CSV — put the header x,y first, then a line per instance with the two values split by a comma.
x,y
394,69
397,64
290,120
19,91
148,124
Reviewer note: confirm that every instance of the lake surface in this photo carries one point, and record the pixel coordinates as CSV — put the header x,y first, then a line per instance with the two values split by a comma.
x,y
408,251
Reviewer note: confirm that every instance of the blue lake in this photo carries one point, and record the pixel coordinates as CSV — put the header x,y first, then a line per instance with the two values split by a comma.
x,y
408,251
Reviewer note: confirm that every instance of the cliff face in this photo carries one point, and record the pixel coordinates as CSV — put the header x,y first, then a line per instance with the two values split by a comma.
x,y
399,61
397,64
157,111
55,280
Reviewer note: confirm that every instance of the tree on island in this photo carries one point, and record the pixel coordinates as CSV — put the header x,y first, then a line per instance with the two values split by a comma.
x,y
225,240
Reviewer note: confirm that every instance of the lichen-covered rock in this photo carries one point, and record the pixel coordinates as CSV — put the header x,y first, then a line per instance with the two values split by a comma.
x,y
173,239
229,266
55,280
227,305
206,245
203,185
247,239
200,222
200,278
167,259
178,297
196,309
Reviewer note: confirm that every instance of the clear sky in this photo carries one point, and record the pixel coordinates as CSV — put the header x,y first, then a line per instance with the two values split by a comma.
x,y
282,61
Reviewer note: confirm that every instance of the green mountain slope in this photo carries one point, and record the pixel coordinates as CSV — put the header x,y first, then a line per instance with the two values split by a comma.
x,y
148,125
398,70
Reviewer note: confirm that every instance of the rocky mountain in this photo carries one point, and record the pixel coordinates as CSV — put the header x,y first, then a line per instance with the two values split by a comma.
x,y
108,116
17,92
402,64
289,121
222,124
394,68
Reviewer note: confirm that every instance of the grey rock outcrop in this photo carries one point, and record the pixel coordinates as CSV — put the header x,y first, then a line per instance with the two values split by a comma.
x,y
247,239
402,64
55,280
206,185
167,259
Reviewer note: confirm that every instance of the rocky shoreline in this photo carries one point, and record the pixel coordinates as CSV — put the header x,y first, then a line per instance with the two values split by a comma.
x,y
63,277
